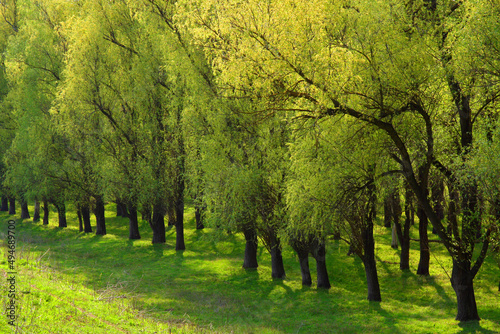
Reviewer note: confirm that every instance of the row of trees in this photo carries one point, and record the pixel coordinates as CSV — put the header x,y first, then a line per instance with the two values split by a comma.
x,y
288,121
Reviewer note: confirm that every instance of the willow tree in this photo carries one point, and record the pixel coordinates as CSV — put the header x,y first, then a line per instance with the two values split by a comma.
x,y
244,163
397,67
34,62
123,87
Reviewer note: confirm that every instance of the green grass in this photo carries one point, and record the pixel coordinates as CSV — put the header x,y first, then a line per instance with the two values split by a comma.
x,y
70,282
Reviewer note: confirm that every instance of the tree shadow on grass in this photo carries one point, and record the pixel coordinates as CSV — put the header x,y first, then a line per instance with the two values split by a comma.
x,y
473,327
388,317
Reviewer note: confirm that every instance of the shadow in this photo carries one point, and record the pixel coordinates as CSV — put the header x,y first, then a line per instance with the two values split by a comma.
x,y
389,321
473,327
440,290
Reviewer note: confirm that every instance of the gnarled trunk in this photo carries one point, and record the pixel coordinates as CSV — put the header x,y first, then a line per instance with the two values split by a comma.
x,y
45,213
319,253
304,268
133,223
369,262
12,206
25,214
277,268
87,228
198,214
99,216
61,214
80,221
302,248
158,224
462,282
423,265
250,260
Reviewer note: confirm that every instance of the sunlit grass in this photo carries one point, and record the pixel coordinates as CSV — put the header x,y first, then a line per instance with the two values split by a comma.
x,y
71,282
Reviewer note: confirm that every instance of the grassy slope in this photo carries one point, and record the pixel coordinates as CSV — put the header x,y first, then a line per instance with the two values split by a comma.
x,y
69,282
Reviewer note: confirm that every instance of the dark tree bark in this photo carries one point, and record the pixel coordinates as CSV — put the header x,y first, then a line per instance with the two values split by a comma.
x,y
462,282
181,185
12,206
250,260
99,216
80,221
45,208
304,268
179,224
302,248
437,198
319,253
423,223
61,214
404,233
121,209
5,204
277,268
158,224
133,223
36,212
369,259
87,228
25,214
198,214
423,265
372,280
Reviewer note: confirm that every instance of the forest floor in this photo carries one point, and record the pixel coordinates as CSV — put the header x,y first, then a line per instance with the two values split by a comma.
x,y
71,282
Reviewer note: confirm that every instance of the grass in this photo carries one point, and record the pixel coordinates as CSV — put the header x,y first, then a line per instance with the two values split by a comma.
x,y
71,282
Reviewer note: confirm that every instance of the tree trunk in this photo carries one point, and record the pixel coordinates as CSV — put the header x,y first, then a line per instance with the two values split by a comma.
x,y
319,254
12,206
394,237
25,214
133,223
121,209
423,265
198,214
87,228
45,213
462,282
100,220
302,249
179,224
250,260
61,213
277,268
5,204
372,279
369,263
36,212
80,221
404,235
304,268
369,247
158,224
